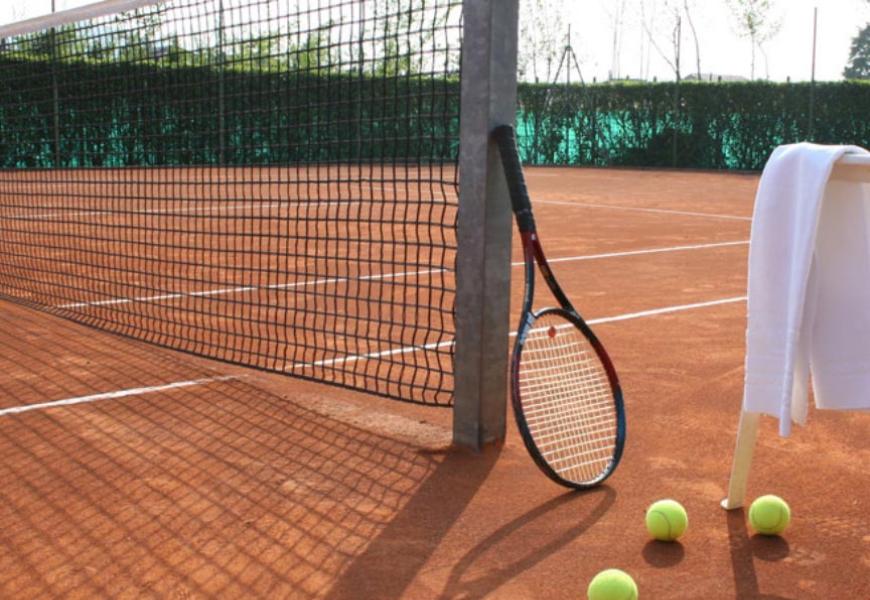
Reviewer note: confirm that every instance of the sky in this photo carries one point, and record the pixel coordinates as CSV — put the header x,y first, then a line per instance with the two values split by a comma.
x,y
722,51
789,54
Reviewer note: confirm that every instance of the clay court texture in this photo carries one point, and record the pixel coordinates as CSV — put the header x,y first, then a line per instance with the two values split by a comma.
x,y
130,470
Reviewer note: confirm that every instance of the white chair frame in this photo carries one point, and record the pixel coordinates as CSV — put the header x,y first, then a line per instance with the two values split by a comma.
x,y
851,167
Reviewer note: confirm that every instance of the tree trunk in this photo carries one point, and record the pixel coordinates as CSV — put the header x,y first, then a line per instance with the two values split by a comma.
x,y
752,66
695,36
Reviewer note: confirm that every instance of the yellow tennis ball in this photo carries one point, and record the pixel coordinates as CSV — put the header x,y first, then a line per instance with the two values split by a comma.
x,y
666,520
612,584
769,515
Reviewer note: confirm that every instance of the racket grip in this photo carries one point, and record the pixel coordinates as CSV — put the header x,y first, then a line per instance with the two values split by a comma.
x,y
506,140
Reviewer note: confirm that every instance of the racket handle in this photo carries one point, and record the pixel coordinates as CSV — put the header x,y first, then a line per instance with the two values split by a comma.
x,y
513,171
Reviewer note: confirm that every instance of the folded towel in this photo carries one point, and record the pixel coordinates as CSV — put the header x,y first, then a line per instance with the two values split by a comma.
x,y
809,286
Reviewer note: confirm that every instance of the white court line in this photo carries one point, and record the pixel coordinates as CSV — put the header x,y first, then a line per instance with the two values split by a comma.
x,y
449,343
154,211
238,290
16,410
348,359
638,252
358,357
650,210
270,205
253,206
334,280
666,310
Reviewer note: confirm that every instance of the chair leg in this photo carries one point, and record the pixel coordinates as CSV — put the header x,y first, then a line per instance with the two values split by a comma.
x,y
746,435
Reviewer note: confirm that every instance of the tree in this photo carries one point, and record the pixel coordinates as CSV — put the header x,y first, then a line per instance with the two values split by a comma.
x,y
755,19
542,31
315,55
401,34
670,27
858,66
687,9
616,11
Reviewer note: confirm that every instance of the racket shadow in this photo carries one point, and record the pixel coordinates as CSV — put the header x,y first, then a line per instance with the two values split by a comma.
x,y
415,533
520,546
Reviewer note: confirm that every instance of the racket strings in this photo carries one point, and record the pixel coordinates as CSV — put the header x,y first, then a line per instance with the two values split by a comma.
x,y
567,400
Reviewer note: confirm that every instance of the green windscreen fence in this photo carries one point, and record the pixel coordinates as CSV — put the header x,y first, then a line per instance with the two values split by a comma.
x,y
693,125
210,83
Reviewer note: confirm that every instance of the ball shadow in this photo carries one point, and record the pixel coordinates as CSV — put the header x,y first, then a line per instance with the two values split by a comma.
x,y
663,554
771,548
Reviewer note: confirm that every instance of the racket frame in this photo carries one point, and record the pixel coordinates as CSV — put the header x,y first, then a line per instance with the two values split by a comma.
x,y
533,255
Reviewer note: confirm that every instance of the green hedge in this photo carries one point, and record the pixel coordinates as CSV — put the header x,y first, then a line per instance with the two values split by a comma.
x,y
141,115
134,115
693,125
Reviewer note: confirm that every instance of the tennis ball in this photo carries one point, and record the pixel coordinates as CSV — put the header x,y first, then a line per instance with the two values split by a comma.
x,y
666,520
769,515
612,584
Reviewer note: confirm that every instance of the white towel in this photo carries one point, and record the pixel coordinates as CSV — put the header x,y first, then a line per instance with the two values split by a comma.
x,y
809,287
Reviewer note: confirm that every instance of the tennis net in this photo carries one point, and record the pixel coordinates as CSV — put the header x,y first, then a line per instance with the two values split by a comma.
x,y
271,183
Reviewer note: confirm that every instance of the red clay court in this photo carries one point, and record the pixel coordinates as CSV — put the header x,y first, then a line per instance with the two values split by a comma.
x,y
168,475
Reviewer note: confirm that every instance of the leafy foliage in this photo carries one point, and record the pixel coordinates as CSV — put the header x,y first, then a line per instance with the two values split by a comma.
x,y
308,96
136,91
708,125
269,116
859,56
541,39
755,20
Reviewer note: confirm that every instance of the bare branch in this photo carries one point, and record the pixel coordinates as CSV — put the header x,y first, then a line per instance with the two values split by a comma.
x,y
674,33
542,31
694,36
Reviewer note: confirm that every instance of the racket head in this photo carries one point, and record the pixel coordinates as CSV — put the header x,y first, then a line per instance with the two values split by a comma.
x,y
567,399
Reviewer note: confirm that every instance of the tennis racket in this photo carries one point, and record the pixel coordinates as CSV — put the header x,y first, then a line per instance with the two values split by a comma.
x,y
564,389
